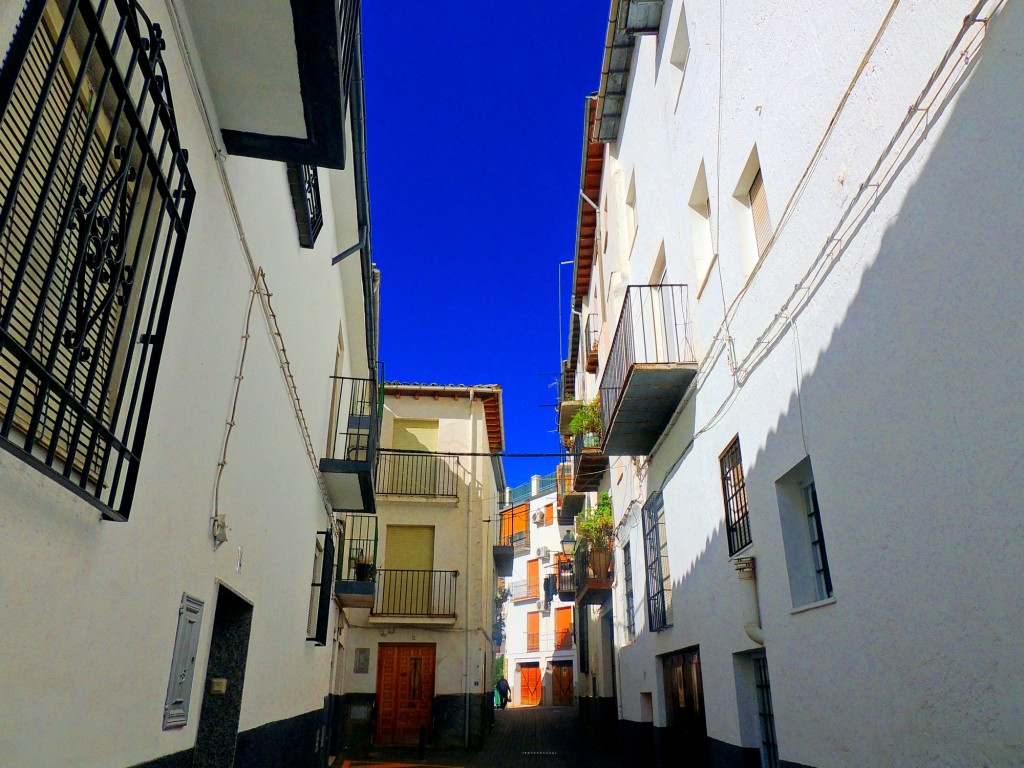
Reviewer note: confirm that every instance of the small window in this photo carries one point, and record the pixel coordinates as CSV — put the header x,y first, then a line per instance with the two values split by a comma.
x,y
305,188
183,662
659,586
759,212
700,230
734,493
627,568
810,579
765,714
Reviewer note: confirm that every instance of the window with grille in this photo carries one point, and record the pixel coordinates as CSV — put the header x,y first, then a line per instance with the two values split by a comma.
x,y
656,561
95,202
304,185
765,714
734,491
810,579
627,566
319,614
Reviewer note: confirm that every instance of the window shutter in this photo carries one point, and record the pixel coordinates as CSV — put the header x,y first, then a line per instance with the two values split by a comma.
x,y
183,662
326,583
759,210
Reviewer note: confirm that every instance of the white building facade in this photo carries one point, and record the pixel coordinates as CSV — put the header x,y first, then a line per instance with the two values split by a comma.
x,y
186,264
796,263
539,618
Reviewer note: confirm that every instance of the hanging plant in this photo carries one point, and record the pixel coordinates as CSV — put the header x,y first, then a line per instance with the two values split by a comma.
x,y
596,525
587,419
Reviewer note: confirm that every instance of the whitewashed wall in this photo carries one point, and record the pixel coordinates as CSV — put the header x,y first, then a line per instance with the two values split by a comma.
x,y
90,608
895,378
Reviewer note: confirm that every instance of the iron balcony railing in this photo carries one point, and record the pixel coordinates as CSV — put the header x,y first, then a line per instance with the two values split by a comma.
x,y
579,442
524,590
512,528
654,327
417,474
359,549
565,579
355,432
532,642
590,337
591,565
567,383
414,593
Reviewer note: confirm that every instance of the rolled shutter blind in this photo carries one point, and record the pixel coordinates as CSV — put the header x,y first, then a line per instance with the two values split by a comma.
x,y
759,210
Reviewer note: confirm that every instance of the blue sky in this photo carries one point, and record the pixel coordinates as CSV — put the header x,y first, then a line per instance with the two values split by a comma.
x,y
474,138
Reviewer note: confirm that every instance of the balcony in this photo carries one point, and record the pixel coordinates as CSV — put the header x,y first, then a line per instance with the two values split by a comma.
x,y
348,469
593,571
590,337
589,462
567,402
354,584
570,502
417,474
408,596
565,578
649,367
524,589
510,534
532,642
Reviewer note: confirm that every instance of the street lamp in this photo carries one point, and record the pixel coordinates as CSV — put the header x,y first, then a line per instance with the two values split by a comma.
x,y
568,543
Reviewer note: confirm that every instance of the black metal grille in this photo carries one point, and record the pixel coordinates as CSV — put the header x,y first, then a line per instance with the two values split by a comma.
x,y
823,577
583,639
414,593
627,567
734,491
565,580
591,564
653,328
656,560
356,419
359,559
95,201
416,474
766,717
309,215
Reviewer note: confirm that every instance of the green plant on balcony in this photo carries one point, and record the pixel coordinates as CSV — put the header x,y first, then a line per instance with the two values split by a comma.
x,y
363,568
596,525
587,419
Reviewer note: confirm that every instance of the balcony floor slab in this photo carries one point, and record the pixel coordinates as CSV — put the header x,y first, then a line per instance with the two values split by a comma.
x,y
649,396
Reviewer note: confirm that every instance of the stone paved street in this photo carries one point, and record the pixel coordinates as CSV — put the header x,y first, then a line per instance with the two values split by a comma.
x,y
528,737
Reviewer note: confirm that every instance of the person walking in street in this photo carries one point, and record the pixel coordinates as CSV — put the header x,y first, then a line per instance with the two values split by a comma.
x,y
503,691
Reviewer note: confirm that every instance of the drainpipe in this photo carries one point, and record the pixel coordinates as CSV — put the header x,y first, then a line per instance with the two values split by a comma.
x,y
748,595
465,589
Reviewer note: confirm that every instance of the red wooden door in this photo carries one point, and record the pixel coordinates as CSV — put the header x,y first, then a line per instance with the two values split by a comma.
x,y
561,683
405,692
529,684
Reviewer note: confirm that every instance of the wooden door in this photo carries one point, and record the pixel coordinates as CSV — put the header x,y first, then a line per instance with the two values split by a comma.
x,y
685,697
563,629
405,692
529,685
561,683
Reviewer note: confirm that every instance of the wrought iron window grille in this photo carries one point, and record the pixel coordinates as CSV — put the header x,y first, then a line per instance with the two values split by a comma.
x,y
309,215
656,560
95,203
734,492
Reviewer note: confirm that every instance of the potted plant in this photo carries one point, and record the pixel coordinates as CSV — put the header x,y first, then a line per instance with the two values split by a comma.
x,y
596,527
587,420
364,568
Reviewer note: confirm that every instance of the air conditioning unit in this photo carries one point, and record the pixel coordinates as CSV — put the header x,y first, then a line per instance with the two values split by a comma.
x,y
542,604
538,517
543,552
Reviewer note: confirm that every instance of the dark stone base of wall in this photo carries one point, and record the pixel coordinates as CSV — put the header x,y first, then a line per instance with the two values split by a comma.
x,y
599,717
177,760
660,747
450,720
292,742
352,719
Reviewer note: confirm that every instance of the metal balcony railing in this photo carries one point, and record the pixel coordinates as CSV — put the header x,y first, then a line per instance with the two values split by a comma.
x,y
579,443
567,383
511,528
563,639
532,642
414,593
359,549
565,579
590,339
654,327
590,565
355,432
524,590
417,474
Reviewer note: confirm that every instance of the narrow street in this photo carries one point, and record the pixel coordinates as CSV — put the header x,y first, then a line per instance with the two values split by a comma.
x,y
525,737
